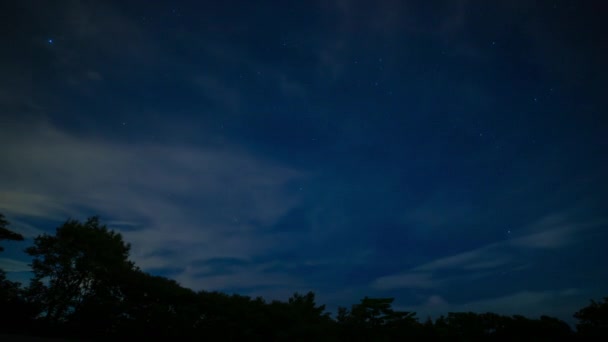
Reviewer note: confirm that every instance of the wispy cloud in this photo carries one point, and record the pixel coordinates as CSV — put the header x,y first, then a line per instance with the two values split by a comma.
x,y
554,238
473,259
406,280
550,232
469,264
242,277
556,231
23,228
197,202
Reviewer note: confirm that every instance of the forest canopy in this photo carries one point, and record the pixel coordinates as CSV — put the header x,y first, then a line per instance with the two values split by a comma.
x,y
85,286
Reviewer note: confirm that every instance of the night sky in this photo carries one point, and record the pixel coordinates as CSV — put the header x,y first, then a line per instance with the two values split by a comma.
x,y
451,154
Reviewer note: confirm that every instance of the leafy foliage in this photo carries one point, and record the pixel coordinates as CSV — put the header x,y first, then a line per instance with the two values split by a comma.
x,y
85,287
472,326
77,269
593,319
375,317
155,306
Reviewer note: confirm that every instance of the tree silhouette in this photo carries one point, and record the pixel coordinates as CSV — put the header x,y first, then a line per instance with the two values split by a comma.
x,y
155,306
77,268
593,319
462,326
6,234
11,295
374,318
299,319
470,326
85,287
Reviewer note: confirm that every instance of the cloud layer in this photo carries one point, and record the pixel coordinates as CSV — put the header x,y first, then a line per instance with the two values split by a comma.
x,y
212,202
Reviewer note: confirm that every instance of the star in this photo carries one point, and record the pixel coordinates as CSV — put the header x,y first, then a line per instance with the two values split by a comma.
x,y
50,41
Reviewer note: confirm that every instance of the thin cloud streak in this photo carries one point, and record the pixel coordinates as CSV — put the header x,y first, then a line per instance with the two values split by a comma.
x,y
144,186
547,233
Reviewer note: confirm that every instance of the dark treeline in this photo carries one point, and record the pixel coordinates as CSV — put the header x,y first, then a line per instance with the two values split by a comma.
x,y
85,287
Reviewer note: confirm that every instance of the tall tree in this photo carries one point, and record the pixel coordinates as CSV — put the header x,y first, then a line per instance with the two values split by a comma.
x,y
77,268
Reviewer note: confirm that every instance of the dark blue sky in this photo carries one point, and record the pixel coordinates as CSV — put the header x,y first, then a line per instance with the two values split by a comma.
x,y
446,153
